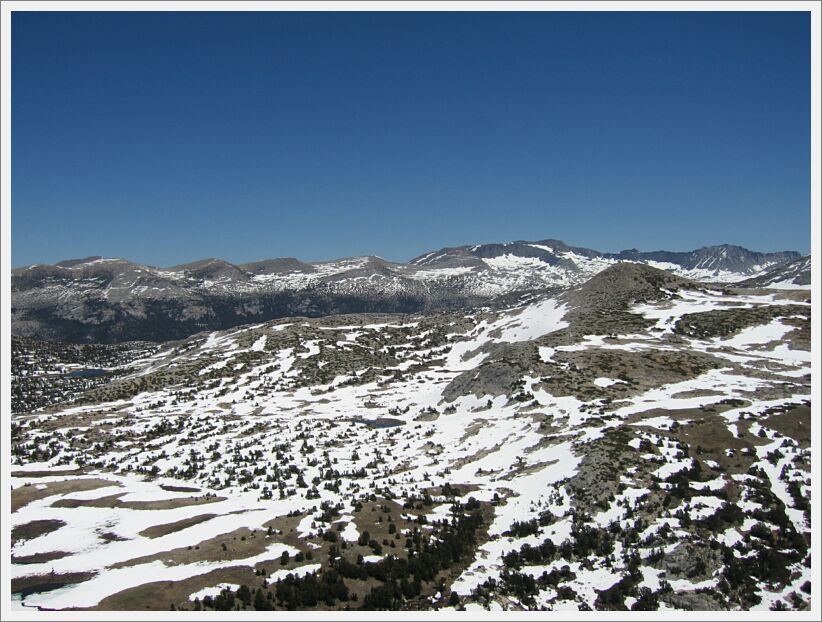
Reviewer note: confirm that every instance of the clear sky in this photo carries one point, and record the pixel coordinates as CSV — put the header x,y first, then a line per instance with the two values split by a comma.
x,y
169,137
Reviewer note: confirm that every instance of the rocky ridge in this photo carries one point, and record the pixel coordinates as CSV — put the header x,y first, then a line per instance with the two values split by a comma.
x,y
101,300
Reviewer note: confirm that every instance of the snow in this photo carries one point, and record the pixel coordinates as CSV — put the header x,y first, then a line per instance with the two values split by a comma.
x,y
508,326
733,385
670,468
650,578
313,349
787,284
729,537
434,274
213,591
714,484
606,382
304,528
350,532
774,331
532,322
79,537
546,354
259,345
668,312
299,571
778,485
703,507
514,262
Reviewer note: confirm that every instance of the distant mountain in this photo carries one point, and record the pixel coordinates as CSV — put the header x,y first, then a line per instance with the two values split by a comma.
x,y
792,275
97,299
710,263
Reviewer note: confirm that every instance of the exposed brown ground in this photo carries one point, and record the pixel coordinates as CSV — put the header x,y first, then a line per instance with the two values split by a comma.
x,y
24,474
696,393
34,529
173,488
695,414
52,581
113,501
156,531
23,495
38,558
160,595
795,423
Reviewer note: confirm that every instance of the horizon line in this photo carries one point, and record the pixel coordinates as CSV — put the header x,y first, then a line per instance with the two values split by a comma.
x,y
93,257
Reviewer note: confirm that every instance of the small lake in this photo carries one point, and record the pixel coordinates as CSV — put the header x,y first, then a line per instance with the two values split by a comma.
x,y
87,373
380,422
18,599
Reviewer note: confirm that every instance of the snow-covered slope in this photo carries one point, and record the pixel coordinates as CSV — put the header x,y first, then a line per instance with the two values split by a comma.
x,y
792,275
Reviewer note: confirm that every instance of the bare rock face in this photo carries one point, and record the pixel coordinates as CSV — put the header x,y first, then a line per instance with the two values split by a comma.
x,y
693,601
688,561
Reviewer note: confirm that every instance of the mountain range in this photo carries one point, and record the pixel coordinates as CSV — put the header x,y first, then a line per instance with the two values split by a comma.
x,y
107,300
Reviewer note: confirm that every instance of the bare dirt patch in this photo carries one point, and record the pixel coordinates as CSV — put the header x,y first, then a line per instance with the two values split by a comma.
x,y
113,501
173,488
45,582
34,529
695,393
39,558
794,422
25,474
109,501
160,595
156,531
572,373
694,414
23,495
710,439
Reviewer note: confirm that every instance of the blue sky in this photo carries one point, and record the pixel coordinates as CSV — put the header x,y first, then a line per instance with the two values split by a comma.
x,y
169,137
